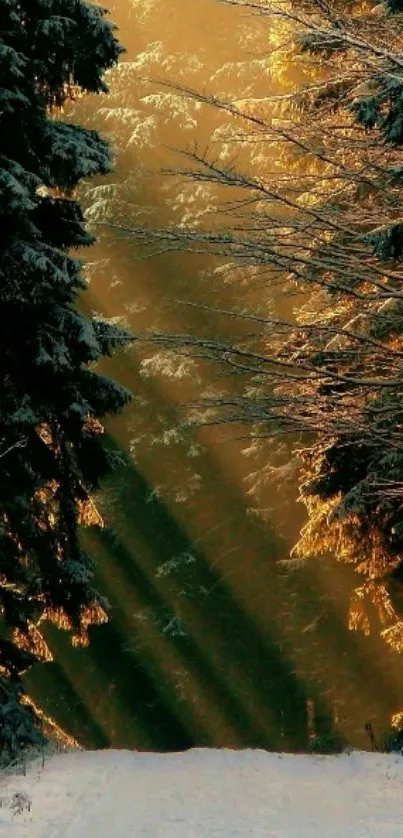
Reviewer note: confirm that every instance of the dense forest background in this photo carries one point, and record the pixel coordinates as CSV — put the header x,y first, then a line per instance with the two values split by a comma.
x,y
323,226
263,349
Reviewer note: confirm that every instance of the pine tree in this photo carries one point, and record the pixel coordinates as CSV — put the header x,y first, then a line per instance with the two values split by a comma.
x,y
52,399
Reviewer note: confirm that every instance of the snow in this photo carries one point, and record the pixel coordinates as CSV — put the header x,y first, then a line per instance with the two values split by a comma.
x,y
205,794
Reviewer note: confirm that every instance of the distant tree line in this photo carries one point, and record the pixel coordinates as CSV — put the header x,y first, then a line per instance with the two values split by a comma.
x,y
327,227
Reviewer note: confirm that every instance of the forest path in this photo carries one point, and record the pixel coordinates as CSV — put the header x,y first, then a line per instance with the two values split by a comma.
x,y
206,794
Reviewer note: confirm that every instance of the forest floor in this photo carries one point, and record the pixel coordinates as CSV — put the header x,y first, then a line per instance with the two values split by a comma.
x,y
204,794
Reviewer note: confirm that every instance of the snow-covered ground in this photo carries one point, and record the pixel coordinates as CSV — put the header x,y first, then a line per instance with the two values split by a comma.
x,y
203,793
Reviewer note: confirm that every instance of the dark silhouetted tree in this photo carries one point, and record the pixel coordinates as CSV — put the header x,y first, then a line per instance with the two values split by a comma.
x,y
51,397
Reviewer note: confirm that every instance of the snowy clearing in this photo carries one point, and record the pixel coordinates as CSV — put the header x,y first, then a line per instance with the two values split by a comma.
x,y
202,793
